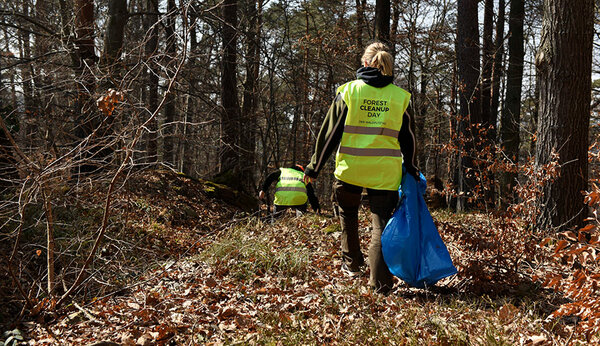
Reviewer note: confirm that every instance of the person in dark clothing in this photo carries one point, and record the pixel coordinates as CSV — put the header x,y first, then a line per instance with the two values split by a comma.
x,y
290,192
368,127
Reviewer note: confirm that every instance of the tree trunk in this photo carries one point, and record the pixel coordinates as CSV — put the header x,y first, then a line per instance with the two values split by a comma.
x,y
115,28
171,52
26,69
486,144
151,48
467,50
85,108
382,21
229,158
187,148
486,63
394,28
564,63
250,98
497,71
87,58
27,131
511,112
360,15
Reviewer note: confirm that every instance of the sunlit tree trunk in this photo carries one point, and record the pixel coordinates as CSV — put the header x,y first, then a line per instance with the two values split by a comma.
x,y
564,63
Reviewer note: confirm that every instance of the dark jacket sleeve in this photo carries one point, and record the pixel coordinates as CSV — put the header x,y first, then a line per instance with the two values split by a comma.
x,y
408,144
329,136
312,198
270,179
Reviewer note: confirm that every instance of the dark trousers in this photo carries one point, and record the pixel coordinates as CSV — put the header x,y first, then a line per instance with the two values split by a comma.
x,y
382,205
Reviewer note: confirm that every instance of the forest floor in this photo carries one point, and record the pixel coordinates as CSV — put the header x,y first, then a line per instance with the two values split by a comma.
x,y
214,274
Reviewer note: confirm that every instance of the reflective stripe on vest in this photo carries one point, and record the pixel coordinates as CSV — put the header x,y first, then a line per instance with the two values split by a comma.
x,y
290,189
369,154
299,189
371,131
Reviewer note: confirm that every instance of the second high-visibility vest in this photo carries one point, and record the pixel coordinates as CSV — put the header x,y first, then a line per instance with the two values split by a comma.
x,y
369,154
290,189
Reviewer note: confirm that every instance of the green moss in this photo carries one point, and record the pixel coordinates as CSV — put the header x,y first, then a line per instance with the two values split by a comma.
x,y
335,227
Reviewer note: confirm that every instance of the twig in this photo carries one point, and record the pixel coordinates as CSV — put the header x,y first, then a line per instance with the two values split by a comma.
x,y
87,314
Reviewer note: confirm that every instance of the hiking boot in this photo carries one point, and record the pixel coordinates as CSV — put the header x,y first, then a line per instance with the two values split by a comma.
x,y
351,271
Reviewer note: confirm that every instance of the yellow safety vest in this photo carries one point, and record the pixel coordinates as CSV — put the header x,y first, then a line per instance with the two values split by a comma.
x,y
369,154
290,189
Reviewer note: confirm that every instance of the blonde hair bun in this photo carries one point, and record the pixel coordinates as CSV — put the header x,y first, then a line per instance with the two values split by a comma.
x,y
377,55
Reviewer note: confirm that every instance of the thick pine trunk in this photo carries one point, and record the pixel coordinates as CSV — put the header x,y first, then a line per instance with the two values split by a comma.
x,y
467,51
511,112
564,63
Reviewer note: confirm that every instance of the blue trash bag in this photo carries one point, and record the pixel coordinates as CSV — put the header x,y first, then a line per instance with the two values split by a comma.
x,y
412,247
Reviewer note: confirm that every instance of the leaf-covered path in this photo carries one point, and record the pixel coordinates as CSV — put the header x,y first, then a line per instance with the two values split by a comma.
x,y
281,283
213,274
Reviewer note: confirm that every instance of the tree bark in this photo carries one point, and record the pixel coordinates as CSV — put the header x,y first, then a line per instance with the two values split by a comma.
x,y
187,150
511,112
382,21
229,157
394,28
250,96
487,61
151,49
497,70
87,117
115,28
564,63
467,50
360,16
171,54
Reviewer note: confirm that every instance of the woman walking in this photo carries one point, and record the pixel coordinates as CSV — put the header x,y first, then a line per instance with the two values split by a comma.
x,y
368,126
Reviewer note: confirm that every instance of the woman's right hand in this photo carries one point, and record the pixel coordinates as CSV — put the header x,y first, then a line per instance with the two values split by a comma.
x,y
261,195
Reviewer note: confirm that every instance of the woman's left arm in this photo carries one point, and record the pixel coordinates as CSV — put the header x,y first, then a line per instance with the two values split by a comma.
x,y
408,145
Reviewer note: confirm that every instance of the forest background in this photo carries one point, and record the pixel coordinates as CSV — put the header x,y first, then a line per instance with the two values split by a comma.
x,y
506,109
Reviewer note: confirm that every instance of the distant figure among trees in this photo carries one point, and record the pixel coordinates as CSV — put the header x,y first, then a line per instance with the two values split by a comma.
x,y
368,125
290,192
